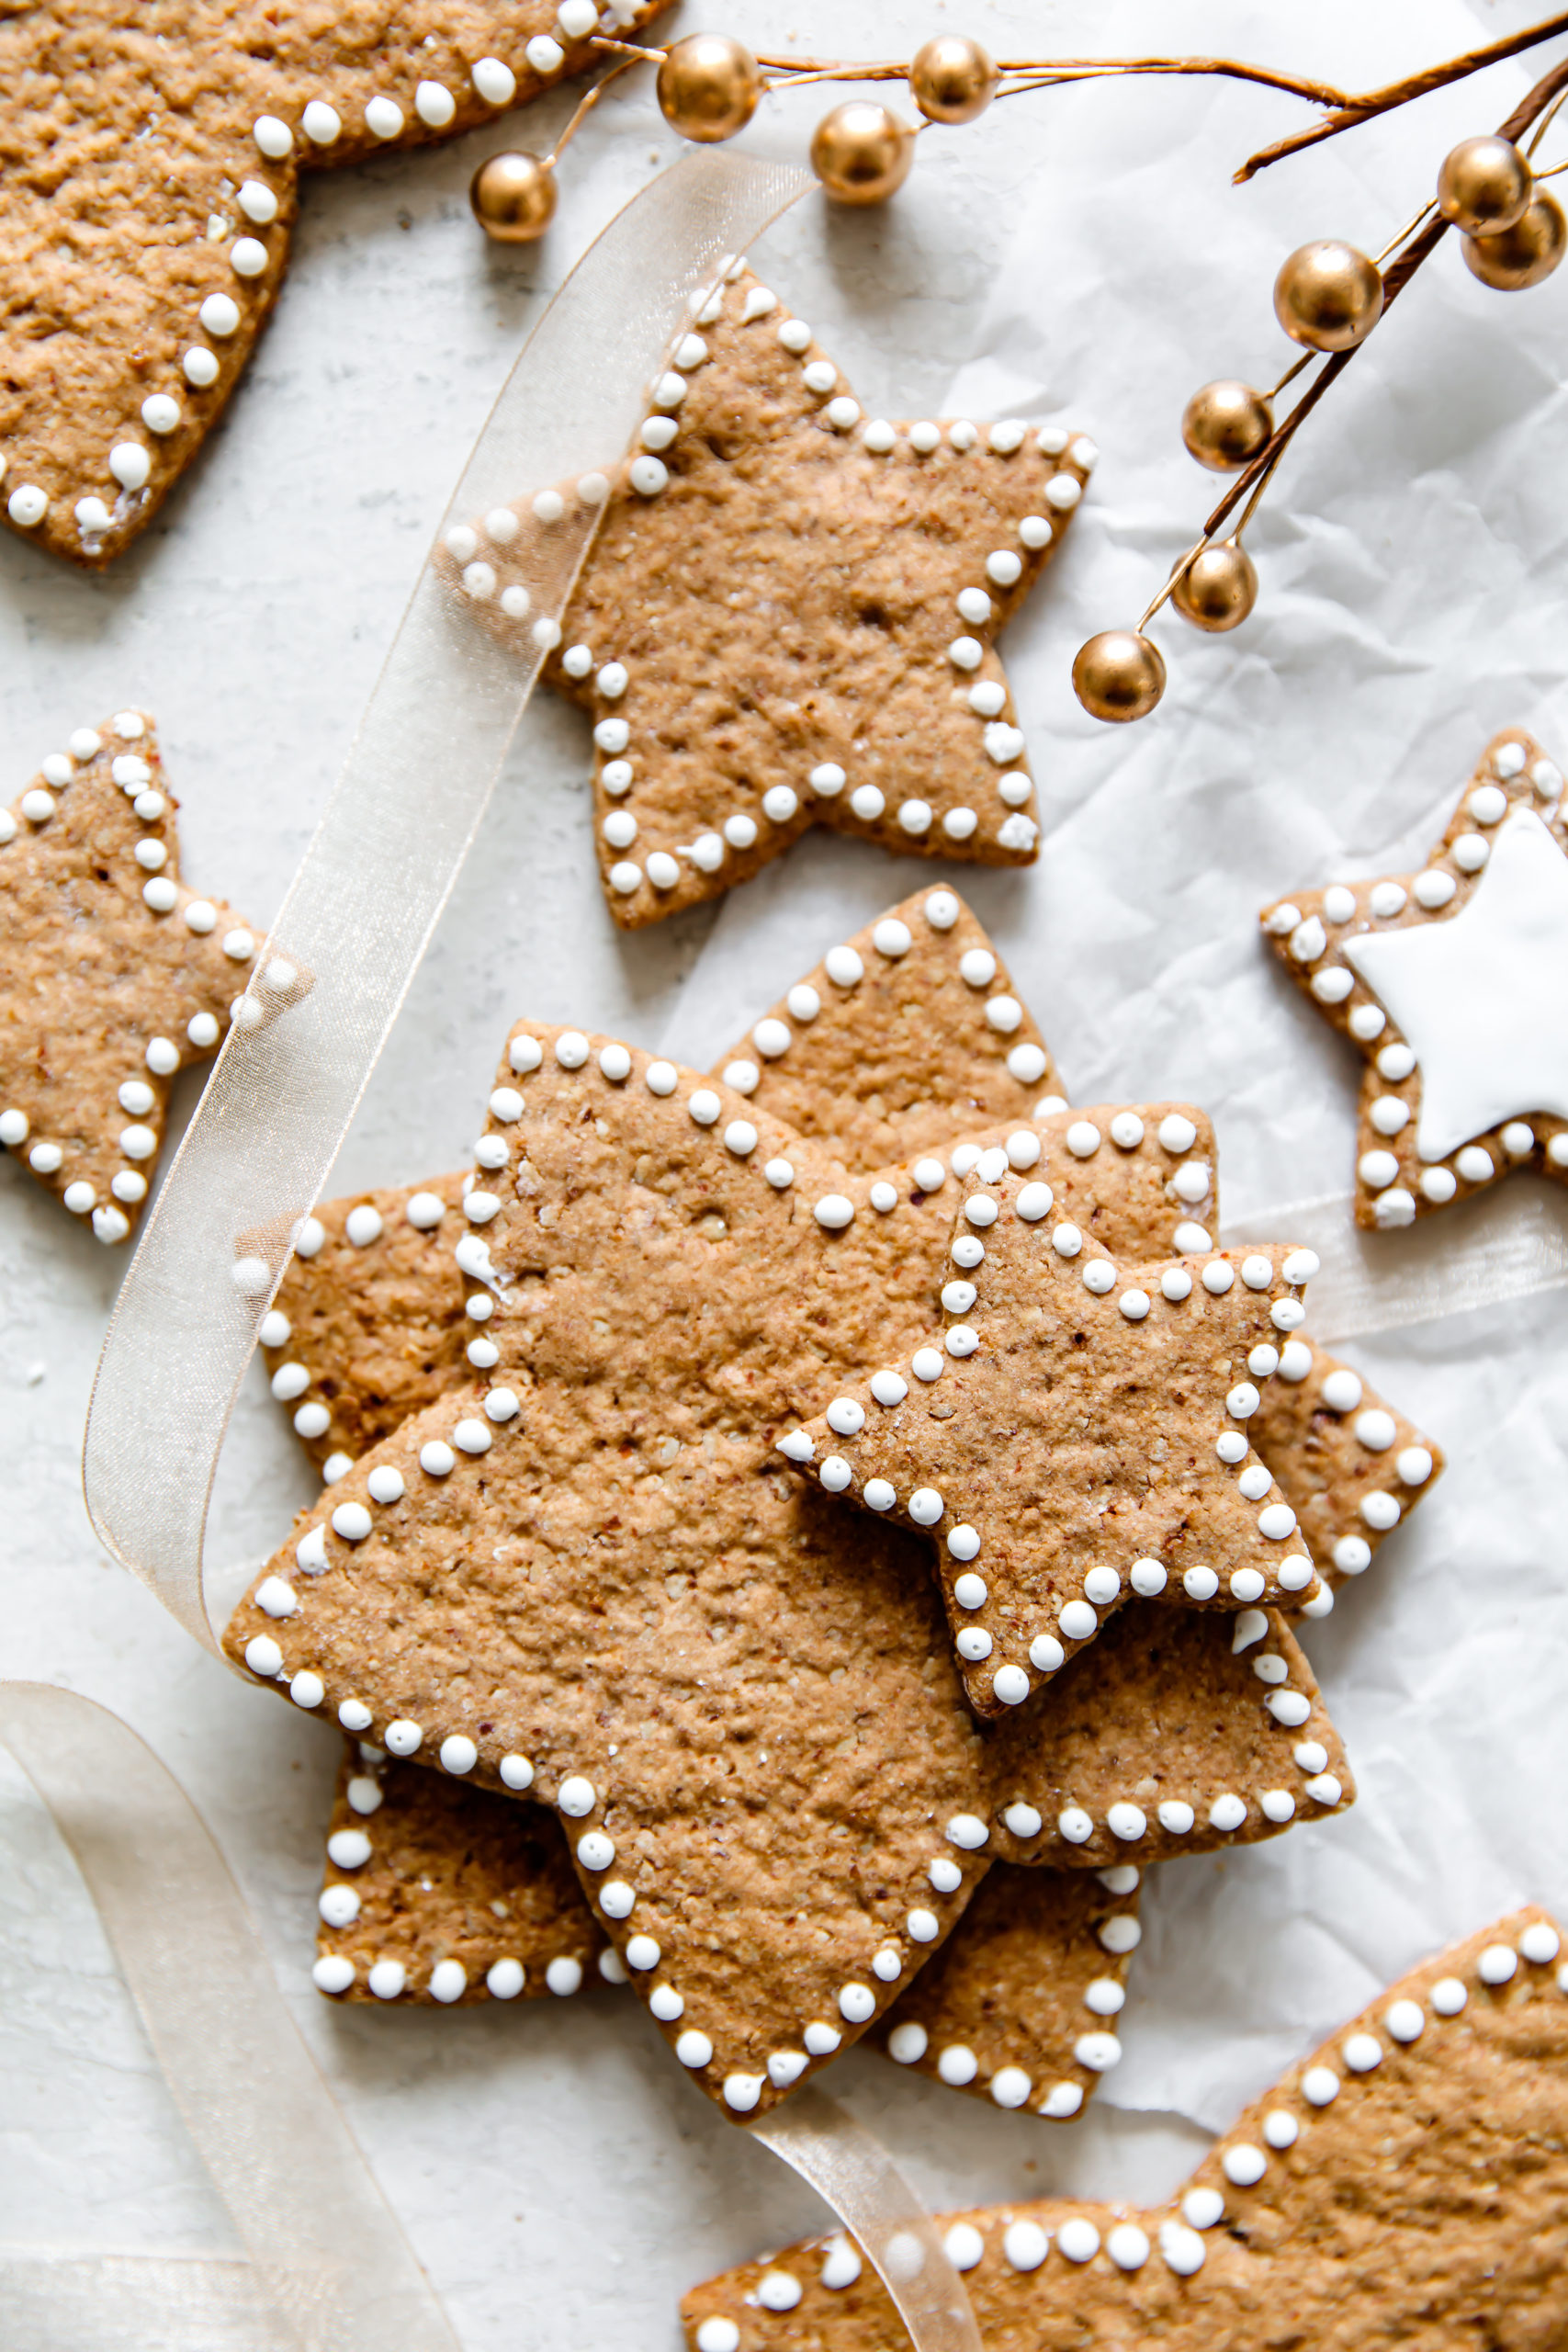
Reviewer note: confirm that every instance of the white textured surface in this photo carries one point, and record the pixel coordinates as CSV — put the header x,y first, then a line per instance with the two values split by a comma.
x,y
1079,256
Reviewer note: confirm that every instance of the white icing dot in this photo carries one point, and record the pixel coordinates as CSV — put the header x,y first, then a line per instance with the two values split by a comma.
x,y
433,104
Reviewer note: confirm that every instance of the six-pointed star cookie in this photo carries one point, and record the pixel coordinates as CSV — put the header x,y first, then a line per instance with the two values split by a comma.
x,y
788,616
1406,2185
1451,981
151,153
1074,1434
115,975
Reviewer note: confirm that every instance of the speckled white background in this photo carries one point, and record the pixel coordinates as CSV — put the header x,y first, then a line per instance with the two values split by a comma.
x,y
1081,256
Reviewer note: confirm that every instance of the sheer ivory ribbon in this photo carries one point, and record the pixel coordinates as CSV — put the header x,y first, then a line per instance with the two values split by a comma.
x,y
328,2266
1500,1245
361,909
354,926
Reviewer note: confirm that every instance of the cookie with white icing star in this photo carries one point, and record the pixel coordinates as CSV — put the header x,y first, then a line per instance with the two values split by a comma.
x,y
115,975
1405,2185
1449,981
788,616
153,150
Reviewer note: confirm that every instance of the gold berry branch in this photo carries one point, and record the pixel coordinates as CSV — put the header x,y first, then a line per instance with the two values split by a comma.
x,y
1328,296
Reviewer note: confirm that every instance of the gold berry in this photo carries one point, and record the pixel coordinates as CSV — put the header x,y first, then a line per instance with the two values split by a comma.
x,y
1218,589
1328,296
708,87
953,79
1119,675
1525,254
1225,425
1484,186
861,152
514,197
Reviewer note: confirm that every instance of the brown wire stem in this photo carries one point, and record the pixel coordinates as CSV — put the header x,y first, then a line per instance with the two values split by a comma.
x,y
585,106
1350,113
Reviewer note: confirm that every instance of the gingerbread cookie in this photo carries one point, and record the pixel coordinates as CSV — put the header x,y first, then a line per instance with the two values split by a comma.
x,y
1407,2185
1447,980
1349,1465
788,616
900,1043
436,1891
115,974
1076,1433
153,152
1020,2006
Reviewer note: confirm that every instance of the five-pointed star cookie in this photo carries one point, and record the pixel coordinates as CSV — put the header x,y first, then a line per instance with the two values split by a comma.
x,y
1449,982
115,976
788,616
153,148
1406,2185
1076,1433
580,1571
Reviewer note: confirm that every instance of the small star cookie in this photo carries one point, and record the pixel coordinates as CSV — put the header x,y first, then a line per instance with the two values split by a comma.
x,y
1076,1433
116,975
153,149
1449,980
788,616
1406,2185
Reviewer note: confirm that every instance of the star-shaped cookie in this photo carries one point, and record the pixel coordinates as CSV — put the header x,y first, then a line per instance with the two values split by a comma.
x,y
1449,980
1077,1432
789,616
152,150
116,975
1406,2185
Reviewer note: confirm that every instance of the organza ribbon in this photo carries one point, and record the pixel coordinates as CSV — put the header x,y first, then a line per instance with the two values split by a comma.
x,y
328,2266
328,984
1500,1245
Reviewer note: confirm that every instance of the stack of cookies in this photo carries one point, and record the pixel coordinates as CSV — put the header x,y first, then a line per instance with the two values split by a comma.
x,y
801,1538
